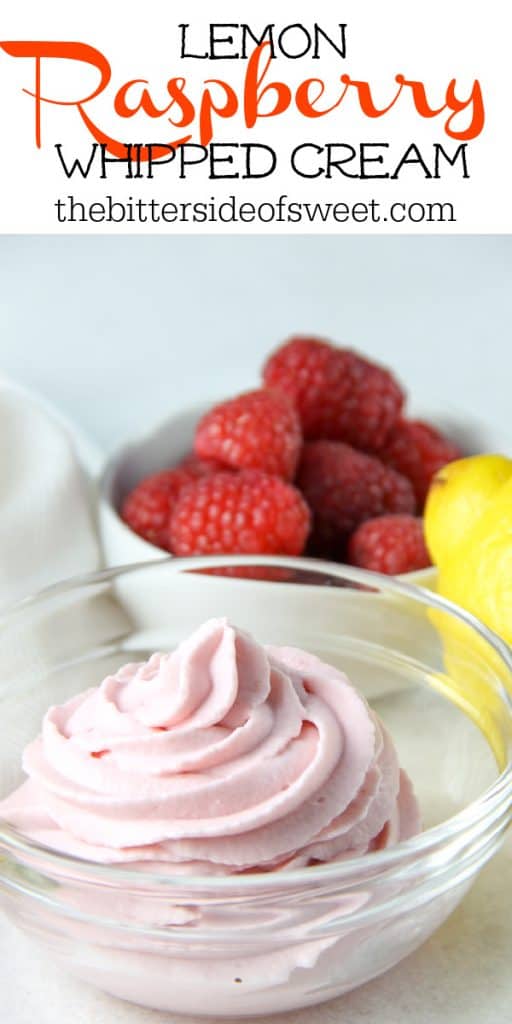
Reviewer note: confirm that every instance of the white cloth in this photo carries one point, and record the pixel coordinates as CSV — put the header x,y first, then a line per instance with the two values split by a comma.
x,y
47,529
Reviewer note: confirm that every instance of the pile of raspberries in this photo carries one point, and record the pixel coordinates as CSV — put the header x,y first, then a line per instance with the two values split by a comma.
x,y
320,460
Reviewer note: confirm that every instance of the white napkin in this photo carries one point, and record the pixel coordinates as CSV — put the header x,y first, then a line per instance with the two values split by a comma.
x,y
47,529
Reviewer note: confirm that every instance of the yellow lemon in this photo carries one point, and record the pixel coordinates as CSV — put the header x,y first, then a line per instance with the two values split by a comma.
x,y
473,678
468,526
459,495
478,577
478,573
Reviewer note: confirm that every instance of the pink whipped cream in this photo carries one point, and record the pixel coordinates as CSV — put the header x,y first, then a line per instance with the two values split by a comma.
x,y
223,756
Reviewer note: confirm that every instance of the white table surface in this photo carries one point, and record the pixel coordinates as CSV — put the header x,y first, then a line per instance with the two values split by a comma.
x,y
115,335
462,975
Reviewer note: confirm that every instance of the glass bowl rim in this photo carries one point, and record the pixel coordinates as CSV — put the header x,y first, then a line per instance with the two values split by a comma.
x,y
482,811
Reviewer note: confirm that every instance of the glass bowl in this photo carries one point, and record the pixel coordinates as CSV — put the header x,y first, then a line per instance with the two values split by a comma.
x,y
264,942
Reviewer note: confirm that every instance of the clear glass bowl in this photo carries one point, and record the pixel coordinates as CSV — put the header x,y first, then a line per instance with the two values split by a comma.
x,y
261,943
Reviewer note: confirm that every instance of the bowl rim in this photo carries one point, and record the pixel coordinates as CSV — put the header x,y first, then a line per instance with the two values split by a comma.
x,y
485,810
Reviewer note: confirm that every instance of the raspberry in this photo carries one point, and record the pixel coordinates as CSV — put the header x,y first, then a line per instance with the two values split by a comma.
x,y
239,513
389,544
314,378
339,395
343,487
418,451
257,430
147,508
373,406
201,467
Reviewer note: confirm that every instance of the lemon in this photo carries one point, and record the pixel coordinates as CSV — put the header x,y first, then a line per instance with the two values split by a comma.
x,y
472,678
459,495
468,527
478,573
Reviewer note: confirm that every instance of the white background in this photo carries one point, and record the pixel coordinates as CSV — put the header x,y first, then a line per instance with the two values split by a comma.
x,y
461,40
120,332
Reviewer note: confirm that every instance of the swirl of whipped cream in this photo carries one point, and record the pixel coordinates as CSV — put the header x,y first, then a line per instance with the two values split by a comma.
x,y
222,756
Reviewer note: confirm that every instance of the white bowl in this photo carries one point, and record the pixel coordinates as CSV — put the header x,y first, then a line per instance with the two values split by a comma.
x,y
167,443
310,609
